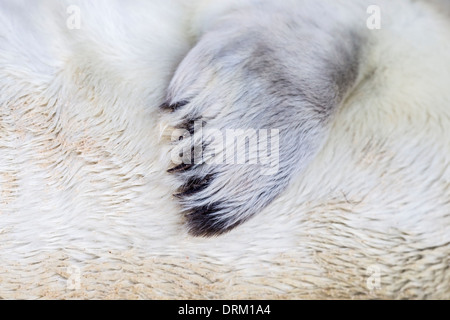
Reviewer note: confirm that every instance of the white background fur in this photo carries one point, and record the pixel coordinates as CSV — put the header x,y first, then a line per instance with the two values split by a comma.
x,y
83,179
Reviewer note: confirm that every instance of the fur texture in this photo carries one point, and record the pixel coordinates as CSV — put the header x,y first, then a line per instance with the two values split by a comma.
x,y
85,198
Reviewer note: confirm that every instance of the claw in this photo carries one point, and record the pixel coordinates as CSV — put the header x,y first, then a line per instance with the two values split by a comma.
x,y
194,185
180,168
189,125
203,222
173,107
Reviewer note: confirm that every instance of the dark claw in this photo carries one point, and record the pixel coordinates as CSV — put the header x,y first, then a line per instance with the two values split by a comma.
x,y
194,185
201,221
173,107
189,125
180,168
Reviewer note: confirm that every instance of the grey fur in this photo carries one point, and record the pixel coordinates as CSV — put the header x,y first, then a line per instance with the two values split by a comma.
x,y
276,67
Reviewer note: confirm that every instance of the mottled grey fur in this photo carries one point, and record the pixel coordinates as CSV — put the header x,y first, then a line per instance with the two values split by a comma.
x,y
273,67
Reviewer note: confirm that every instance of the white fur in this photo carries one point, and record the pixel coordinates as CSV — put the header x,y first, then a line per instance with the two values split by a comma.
x,y
83,179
